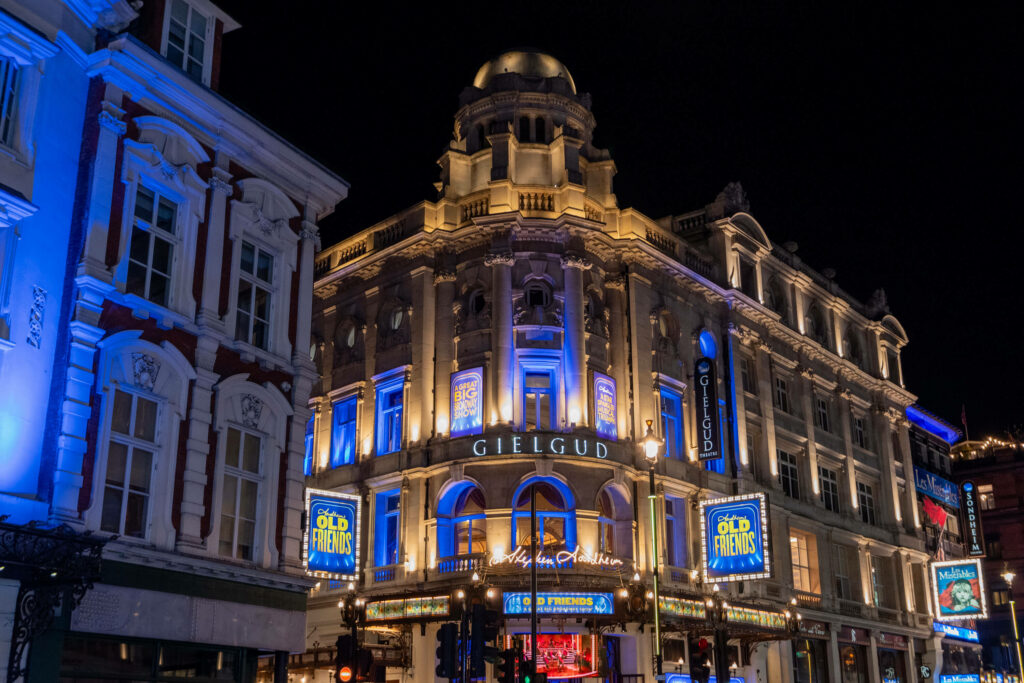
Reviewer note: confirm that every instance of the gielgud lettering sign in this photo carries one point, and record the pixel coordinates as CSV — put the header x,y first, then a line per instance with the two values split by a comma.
x,y
535,443
332,534
708,436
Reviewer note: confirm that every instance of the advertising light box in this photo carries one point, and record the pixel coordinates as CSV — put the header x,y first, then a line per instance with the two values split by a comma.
x,y
605,422
958,632
332,534
935,486
685,678
467,403
958,587
560,603
734,538
959,678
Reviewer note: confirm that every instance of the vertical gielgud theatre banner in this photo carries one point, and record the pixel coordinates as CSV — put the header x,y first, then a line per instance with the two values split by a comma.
x,y
332,534
709,443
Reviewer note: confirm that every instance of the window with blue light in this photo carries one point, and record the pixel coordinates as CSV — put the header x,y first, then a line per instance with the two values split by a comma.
x,y
343,432
556,517
8,99
675,531
538,399
672,422
389,417
385,532
462,522
307,460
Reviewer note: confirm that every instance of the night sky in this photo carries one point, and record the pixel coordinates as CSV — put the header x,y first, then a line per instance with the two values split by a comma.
x,y
884,140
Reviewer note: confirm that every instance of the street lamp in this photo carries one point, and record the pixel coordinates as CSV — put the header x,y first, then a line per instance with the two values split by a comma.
x,y
652,446
1008,578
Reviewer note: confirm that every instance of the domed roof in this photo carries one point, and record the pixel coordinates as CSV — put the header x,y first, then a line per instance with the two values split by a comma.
x,y
525,62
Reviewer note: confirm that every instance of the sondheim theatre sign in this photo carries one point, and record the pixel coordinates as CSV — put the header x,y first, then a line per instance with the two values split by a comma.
x,y
535,443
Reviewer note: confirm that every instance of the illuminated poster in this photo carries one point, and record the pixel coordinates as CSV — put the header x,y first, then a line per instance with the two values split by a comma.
x,y
959,590
604,407
560,603
332,534
561,655
734,538
974,537
467,402
685,678
709,443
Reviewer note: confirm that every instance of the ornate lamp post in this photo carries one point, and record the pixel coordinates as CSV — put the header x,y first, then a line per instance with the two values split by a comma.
x,y
1008,577
652,446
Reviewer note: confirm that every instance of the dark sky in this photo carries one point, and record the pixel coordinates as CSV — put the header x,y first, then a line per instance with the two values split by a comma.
x,y
885,139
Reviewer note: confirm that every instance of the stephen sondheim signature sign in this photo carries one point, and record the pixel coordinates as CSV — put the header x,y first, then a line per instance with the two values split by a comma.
x,y
521,557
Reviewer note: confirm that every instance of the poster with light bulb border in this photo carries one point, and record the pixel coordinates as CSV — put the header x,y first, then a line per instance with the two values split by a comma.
x,y
755,564
335,504
946,576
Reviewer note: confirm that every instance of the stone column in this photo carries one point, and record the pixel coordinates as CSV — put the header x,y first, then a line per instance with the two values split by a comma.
x,y
807,400
209,305
615,288
444,349
101,191
849,473
575,370
768,464
421,421
644,404
873,664
911,512
743,459
310,237
834,668
888,504
503,342
367,421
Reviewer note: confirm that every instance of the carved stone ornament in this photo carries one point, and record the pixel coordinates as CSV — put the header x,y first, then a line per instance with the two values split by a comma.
x,y
310,231
504,258
144,370
266,225
550,315
575,261
35,316
252,407
112,123
615,281
444,276
222,186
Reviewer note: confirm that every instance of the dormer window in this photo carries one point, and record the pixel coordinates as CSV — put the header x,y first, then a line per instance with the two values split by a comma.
x,y
187,39
8,99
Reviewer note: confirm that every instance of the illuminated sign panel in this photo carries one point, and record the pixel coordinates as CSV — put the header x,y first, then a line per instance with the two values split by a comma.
x,y
332,534
467,402
709,443
959,678
560,603
408,608
605,423
974,538
685,678
935,486
958,632
535,443
734,538
958,587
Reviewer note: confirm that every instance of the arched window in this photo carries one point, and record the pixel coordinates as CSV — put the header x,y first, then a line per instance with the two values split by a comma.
x,y
852,348
556,515
775,296
524,129
614,521
816,326
462,521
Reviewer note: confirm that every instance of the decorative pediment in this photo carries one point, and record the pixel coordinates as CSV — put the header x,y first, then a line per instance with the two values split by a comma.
x,y
270,208
174,143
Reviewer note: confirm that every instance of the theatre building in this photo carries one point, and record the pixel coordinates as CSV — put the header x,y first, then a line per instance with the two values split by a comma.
x,y
156,259
520,331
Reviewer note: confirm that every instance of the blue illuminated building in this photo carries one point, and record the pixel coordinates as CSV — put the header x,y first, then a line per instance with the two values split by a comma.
x,y
156,269
516,333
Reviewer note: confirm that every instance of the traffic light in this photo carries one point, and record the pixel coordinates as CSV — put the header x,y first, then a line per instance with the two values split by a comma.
x,y
345,671
700,663
505,667
448,651
483,630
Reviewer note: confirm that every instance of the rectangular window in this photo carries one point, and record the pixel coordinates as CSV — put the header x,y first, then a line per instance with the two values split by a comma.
x,y
241,490
130,454
803,548
672,422
866,501
343,432
881,581
538,400
789,474
387,527
821,414
860,434
186,39
828,481
151,252
843,561
748,375
8,99
1000,597
307,461
782,395
675,531
986,497
389,417
255,276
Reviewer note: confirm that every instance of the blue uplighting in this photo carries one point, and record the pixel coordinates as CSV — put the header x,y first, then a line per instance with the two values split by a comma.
x,y
932,424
